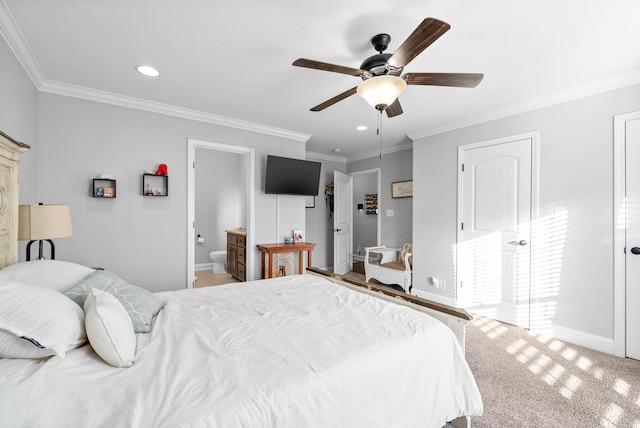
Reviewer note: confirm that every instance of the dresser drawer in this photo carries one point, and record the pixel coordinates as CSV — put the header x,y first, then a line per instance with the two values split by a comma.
x,y
241,255
240,274
232,239
242,240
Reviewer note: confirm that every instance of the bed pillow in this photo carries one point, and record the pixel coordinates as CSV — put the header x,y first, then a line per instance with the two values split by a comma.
x,y
109,328
140,304
57,274
37,322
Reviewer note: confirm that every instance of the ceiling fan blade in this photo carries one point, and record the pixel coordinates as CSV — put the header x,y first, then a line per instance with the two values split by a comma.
x,y
317,65
426,33
395,109
461,80
335,99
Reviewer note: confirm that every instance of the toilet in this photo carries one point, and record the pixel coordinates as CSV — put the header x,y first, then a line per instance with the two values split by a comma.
x,y
219,259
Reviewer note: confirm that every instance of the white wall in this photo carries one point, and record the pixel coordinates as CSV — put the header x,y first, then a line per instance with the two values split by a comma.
x,y
576,174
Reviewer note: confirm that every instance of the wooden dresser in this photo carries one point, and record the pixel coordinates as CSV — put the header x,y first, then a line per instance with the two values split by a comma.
x,y
236,253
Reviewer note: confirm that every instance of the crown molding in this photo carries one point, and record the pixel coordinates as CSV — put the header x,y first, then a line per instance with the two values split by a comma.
x,y
13,37
394,149
167,109
570,94
340,159
329,158
10,32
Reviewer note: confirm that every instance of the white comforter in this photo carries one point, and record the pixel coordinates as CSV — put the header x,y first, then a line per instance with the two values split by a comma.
x,y
297,351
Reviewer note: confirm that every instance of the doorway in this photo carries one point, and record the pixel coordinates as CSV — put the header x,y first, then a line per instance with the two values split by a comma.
x,y
495,212
243,178
627,235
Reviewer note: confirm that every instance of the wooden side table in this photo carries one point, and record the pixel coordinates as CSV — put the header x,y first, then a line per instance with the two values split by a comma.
x,y
271,249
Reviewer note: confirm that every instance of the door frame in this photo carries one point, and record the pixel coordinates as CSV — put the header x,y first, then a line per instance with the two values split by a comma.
x,y
619,233
534,136
192,145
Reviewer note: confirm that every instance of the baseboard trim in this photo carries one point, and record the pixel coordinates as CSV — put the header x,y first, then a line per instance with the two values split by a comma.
x,y
576,337
435,297
203,266
580,338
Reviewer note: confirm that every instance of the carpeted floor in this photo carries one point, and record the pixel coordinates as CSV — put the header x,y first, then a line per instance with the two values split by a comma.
x,y
530,380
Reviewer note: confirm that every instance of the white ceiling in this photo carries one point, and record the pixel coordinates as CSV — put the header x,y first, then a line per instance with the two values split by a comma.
x,y
232,60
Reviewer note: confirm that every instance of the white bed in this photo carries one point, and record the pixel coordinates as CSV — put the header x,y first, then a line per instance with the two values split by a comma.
x,y
297,351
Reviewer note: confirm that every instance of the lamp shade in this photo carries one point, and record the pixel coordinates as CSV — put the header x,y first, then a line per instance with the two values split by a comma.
x,y
36,222
381,91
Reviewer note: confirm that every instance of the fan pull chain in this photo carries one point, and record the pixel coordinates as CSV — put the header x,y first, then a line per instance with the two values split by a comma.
x,y
380,131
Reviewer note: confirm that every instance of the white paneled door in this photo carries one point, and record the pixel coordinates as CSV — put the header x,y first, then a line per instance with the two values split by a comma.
x,y
494,237
342,240
632,253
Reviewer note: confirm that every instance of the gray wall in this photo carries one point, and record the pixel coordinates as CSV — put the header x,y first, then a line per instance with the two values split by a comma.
x,y
219,199
141,239
576,174
397,166
18,115
395,230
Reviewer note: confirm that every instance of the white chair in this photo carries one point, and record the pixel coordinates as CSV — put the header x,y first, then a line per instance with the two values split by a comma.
x,y
389,265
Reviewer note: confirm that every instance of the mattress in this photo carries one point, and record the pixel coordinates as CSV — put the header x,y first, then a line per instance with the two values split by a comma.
x,y
296,351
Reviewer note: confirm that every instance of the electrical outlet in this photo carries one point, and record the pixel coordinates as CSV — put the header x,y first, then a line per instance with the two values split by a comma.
x,y
437,282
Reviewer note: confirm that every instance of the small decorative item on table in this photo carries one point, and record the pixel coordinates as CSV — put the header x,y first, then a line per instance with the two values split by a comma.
x,y
288,240
297,236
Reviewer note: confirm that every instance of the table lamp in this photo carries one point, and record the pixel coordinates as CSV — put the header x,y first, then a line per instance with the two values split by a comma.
x,y
43,223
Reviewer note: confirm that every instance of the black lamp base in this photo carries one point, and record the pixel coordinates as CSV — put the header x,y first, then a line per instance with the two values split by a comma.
x,y
40,256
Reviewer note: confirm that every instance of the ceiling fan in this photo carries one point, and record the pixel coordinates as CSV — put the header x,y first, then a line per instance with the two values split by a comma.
x,y
381,73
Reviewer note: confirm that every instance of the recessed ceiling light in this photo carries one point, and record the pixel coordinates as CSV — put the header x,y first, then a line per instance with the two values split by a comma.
x,y
361,128
337,150
147,70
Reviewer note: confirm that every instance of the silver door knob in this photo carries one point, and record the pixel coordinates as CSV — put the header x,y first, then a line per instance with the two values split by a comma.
x,y
522,242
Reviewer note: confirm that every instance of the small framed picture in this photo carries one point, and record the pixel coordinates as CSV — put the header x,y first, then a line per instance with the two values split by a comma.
x,y
109,192
297,236
310,202
402,189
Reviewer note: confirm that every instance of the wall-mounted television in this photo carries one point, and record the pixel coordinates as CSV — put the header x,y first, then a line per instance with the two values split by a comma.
x,y
286,176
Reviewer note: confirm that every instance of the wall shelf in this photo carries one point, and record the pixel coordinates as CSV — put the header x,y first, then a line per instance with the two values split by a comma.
x,y
371,203
104,188
155,185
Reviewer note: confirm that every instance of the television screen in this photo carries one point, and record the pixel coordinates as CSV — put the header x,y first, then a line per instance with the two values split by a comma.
x,y
286,176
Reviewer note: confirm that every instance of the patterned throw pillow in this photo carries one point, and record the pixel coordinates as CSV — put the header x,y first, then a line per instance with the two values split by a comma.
x,y
141,304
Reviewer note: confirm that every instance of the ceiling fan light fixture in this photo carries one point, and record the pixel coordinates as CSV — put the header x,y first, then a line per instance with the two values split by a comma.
x,y
381,91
